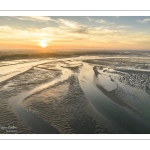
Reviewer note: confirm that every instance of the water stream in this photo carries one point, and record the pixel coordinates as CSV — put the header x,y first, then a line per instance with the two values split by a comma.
x,y
35,123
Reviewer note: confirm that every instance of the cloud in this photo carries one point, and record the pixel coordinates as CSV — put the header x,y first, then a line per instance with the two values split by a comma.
x,y
101,21
124,26
35,18
70,24
97,20
89,18
144,20
5,28
71,32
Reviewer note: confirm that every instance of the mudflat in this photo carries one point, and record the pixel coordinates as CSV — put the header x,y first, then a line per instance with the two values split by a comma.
x,y
79,95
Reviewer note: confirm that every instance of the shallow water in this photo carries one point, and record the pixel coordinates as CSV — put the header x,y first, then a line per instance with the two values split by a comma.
x,y
31,120
124,119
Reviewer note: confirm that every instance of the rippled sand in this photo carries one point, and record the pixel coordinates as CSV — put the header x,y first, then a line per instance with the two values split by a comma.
x,y
81,96
14,86
64,106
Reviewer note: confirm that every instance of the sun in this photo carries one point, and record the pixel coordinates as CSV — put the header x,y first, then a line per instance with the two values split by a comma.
x,y
43,44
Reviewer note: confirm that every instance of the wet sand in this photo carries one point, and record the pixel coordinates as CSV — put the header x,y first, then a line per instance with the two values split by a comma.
x,y
64,107
14,86
79,96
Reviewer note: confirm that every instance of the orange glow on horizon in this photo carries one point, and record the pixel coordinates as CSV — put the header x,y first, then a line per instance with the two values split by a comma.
x,y
67,35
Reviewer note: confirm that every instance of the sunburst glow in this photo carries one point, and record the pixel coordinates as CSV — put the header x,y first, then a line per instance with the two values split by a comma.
x,y
43,44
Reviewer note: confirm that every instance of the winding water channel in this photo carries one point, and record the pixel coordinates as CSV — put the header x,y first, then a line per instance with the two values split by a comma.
x,y
32,121
98,89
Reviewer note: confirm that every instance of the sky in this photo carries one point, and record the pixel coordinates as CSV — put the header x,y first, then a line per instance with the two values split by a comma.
x,y
46,33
